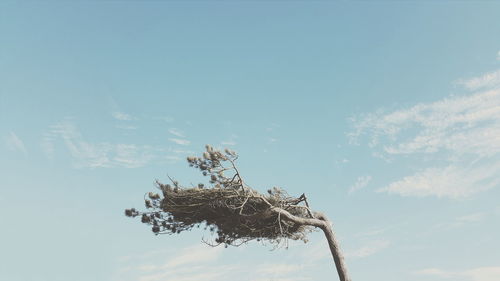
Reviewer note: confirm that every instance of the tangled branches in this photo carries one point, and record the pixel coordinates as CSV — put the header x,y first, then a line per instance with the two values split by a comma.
x,y
228,207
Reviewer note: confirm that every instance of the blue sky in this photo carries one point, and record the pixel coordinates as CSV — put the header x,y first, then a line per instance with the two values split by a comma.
x,y
385,113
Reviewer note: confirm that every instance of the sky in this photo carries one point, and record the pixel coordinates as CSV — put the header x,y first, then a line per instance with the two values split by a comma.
x,y
386,114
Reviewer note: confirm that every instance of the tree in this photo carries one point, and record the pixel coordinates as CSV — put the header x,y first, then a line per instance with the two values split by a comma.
x,y
232,210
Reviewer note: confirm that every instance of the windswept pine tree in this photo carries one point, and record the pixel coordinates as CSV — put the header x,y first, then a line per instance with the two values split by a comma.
x,y
232,210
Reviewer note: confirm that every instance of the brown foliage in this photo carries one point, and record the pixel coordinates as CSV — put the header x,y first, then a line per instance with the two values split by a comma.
x,y
232,210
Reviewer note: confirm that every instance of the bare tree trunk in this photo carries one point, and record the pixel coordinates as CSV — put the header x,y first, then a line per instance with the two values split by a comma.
x,y
321,221
335,250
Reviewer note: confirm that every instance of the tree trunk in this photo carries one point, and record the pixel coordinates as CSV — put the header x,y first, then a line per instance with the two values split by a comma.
x,y
321,221
335,250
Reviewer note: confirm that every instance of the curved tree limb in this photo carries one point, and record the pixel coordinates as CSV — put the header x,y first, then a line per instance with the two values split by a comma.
x,y
325,225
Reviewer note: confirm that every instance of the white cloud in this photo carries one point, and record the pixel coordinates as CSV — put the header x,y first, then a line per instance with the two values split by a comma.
x,y
369,249
450,181
483,273
475,274
371,232
84,154
131,156
361,182
121,116
490,79
192,263
176,132
228,143
467,124
471,218
126,127
272,127
94,155
167,119
279,269
14,143
231,141
195,254
200,262
180,141
194,273
47,145
182,151
435,272
466,220
462,133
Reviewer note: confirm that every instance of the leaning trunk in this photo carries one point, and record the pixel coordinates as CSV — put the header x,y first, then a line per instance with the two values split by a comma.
x,y
335,250
319,220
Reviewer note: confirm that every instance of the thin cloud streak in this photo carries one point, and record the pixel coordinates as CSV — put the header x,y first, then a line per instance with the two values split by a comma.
x,y
476,274
462,221
451,181
368,250
96,155
228,143
466,124
121,116
231,141
198,262
14,143
176,133
464,131
180,141
195,254
361,182
487,80
279,269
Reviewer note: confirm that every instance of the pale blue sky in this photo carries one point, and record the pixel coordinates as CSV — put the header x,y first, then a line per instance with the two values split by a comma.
x,y
385,113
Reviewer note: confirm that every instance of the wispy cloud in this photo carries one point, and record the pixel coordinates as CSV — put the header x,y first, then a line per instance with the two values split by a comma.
x,y
371,232
167,119
228,143
451,181
370,249
231,141
47,144
126,127
488,80
272,127
86,154
180,141
190,264
121,116
272,134
195,255
182,151
176,132
471,218
467,124
361,182
131,155
475,274
436,272
461,132
14,143
279,269
461,221
200,262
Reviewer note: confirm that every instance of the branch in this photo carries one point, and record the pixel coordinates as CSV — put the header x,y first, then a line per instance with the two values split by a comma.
x,y
298,220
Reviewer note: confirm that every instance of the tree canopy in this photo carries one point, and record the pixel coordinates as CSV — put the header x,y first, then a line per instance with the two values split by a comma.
x,y
232,210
